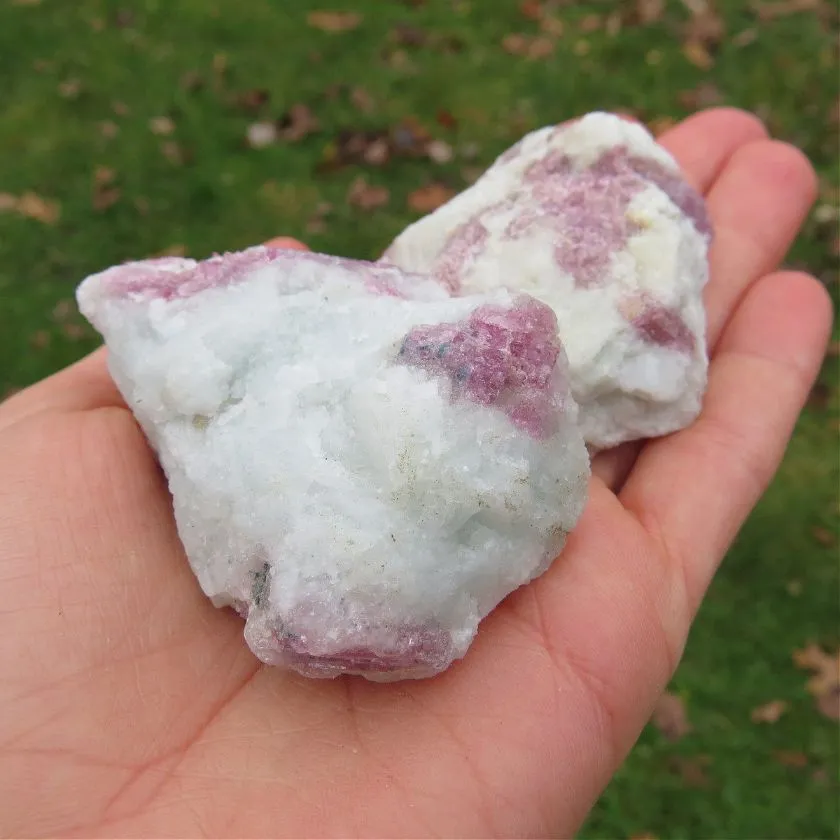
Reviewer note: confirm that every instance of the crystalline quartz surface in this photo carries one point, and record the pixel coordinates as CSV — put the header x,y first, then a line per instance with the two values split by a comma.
x,y
361,464
594,218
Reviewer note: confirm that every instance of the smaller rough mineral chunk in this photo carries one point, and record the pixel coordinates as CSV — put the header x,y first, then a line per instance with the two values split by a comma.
x,y
362,465
594,218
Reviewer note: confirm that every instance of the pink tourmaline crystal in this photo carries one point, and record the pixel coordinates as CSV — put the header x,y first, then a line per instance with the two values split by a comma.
x,y
361,465
595,219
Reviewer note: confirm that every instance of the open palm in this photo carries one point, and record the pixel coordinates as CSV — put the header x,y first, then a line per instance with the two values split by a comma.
x,y
129,705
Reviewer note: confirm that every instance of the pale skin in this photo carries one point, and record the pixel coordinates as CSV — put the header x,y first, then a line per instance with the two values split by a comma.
x,y
130,706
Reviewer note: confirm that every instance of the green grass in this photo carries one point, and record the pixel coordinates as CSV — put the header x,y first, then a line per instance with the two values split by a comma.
x,y
190,59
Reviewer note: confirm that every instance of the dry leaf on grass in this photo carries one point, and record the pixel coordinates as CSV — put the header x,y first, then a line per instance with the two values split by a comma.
x,y
772,9
429,198
697,53
162,126
670,718
824,536
649,11
791,758
691,769
531,9
328,21
173,251
367,196
70,88
362,100
297,123
528,46
31,206
769,712
44,210
824,686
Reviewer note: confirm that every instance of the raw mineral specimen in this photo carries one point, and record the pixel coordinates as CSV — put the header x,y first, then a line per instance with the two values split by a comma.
x,y
594,218
361,464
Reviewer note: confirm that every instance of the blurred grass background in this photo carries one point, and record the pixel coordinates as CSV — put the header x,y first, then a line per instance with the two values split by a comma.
x,y
136,128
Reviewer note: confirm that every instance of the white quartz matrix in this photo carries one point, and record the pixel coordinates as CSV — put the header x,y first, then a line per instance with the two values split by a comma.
x,y
594,218
361,464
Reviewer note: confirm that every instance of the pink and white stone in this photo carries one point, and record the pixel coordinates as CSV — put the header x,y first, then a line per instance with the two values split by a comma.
x,y
594,218
361,464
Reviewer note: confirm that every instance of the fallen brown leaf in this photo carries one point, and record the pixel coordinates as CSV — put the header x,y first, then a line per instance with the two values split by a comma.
x,y
790,758
173,153
407,35
377,152
39,339
297,123
590,23
328,21
527,46
829,703
351,146
103,175
74,331
252,101
62,311
649,11
103,198
744,38
769,712
33,206
613,24
670,718
552,26
531,9
794,588
692,770
162,126
698,55
429,198
109,129
783,8
446,119
824,536
706,26
366,196
70,88
825,685
362,100
173,251
317,221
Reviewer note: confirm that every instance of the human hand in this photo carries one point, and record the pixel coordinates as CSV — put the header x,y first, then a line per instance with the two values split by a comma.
x,y
129,705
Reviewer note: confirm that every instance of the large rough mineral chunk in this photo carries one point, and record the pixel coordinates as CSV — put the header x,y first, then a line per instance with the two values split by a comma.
x,y
594,218
361,465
